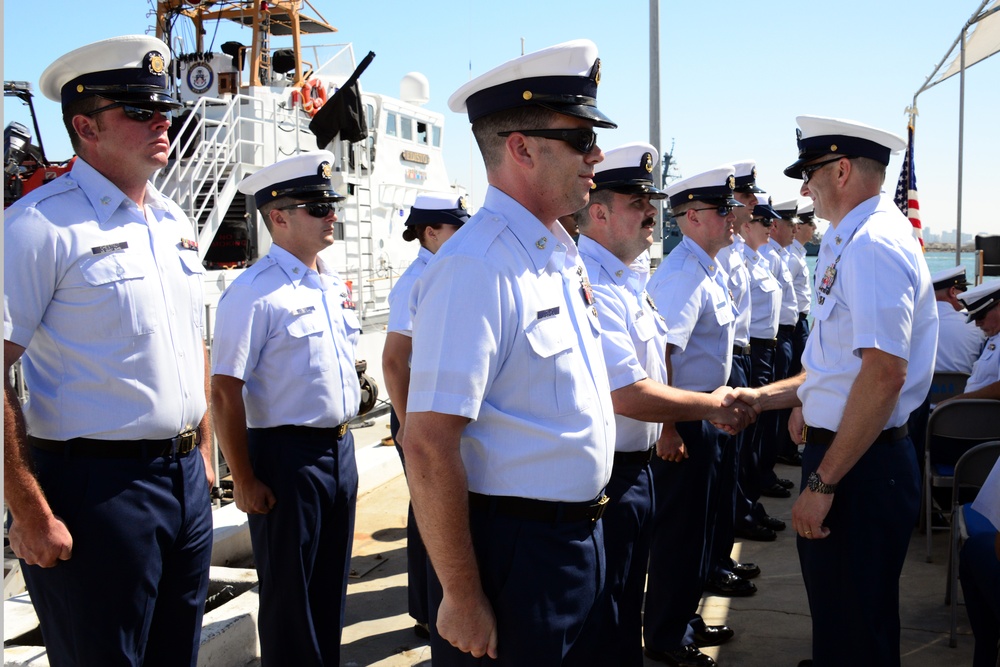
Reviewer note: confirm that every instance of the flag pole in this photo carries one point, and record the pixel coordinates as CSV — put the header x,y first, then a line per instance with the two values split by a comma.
x,y
961,146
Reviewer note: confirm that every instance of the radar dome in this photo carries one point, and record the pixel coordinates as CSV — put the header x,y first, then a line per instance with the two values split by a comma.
x,y
415,89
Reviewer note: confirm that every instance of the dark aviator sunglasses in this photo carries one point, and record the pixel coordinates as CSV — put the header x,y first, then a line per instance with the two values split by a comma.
x,y
315,209
136,112
582,139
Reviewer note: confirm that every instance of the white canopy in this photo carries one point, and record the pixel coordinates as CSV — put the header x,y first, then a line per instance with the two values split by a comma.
x,y
982,42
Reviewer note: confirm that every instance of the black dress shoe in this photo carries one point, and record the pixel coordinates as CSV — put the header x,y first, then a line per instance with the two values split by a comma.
x,y
772,523
758,533
805,663
730,585
745,570
422,630
787,483
791,459
688,656
776,490
712,635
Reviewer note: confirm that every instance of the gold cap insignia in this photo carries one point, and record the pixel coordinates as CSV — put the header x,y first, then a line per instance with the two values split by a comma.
x,y
462,205
647,162
79,87
690,197
731,182
156,63
753,173
597,71
833,148
526,95
274,193
325,170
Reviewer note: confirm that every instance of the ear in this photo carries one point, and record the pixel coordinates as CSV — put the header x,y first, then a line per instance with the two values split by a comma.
x,y
519,150
278,219
598,212
85,127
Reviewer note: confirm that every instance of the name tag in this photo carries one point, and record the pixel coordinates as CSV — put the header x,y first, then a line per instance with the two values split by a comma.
x,y
111,247
548,312
303,311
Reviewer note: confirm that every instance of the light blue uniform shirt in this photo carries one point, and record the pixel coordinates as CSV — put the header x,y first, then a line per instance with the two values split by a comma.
x,y
399,298
731,259
799,267
107,299
691,291
289,333
765,294
882,297
960,342
987,368
779,259
502,334
634,337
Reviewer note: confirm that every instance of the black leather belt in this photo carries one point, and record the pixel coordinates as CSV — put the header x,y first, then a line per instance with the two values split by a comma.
x,y
120,449
529,509
786,328
765,342
634,458
823,437
741,349
309,433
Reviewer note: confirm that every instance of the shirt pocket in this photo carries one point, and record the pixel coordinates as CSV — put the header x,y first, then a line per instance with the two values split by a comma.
x,y
645,327
311,346
119,283
830,342
556,374
724,313
194,273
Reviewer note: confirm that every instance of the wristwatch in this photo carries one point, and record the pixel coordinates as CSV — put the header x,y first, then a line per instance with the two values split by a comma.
x,y
816,484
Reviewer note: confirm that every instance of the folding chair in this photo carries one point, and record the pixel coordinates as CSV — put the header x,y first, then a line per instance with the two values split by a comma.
x,y
964,422
946,384
971,471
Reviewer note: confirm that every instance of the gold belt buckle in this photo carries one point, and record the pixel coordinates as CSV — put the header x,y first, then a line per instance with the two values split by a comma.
x,y
805,433
185,442
341,430
602,504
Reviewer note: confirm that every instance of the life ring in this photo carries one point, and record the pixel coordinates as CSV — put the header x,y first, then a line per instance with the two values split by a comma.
x,y
320,93
312,95
307,101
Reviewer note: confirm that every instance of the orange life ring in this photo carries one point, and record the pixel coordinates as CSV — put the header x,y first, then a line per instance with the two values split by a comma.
x,y
307,101
320,92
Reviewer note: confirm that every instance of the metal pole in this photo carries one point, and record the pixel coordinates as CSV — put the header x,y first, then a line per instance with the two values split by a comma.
x,y
961,140
654,109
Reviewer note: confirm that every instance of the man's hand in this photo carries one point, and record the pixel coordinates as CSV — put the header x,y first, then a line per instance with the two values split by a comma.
x,y
670,446
809,512
732,415
748,396
44,542
253,496
796,422
469,625
206,454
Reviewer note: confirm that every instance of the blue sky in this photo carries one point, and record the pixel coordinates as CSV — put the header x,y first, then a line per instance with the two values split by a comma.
x,y
733,75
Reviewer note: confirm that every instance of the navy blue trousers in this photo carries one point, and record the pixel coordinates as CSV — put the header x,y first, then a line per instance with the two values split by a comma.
x,y
628,528
687,502
772,446
796,345
732,494
545,581
979,571
764,430
142,541
302,547
416,553
852,576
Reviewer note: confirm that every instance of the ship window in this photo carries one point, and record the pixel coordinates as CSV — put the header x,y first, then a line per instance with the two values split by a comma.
x,y
390,124
436,135
370,114
406,128
421,132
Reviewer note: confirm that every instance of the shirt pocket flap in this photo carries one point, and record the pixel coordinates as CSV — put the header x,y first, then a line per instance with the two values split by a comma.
x,y
550,336
824,306
191,262
306,325
111,268
645,327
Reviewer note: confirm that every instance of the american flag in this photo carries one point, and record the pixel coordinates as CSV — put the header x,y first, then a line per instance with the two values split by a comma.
x,y
906,189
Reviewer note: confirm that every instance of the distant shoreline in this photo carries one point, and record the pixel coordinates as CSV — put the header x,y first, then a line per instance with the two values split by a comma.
x,y
949,247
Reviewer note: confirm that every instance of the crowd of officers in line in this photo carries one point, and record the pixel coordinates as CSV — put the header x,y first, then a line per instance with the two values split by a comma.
x,y
566,419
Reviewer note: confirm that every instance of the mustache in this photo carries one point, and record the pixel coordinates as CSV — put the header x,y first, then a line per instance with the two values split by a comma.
x,y
649,222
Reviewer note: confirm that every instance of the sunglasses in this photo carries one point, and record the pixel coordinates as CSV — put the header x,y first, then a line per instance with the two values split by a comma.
x,y
582,139
315,209
136,112
767,222
809,170
723,210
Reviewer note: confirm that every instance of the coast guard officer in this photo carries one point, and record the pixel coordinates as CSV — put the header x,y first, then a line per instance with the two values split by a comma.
x,y
803,232
982,302
616,229
102,297
959,341
777,251
867,365
284,387
510,428
433,218
691,289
